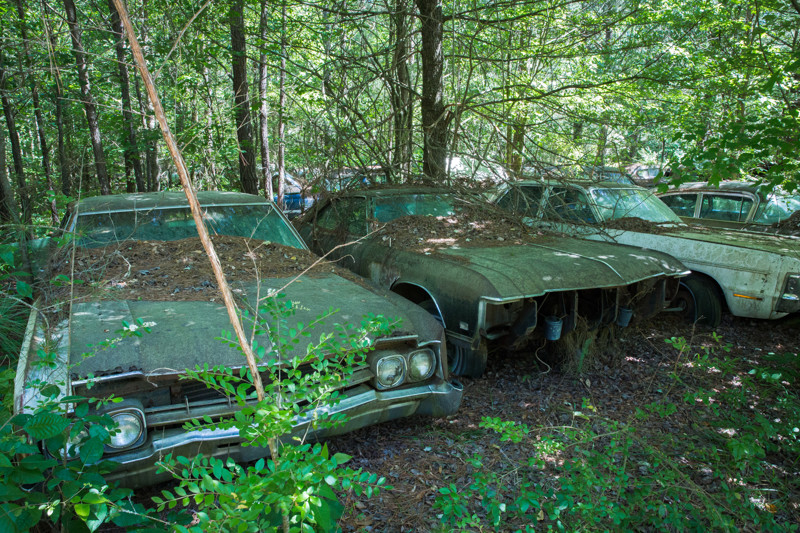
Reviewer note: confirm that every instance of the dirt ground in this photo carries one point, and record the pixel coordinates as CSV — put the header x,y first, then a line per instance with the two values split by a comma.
x,y
419,456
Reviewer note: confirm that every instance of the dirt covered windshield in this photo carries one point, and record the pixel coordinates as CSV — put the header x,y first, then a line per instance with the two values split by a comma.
x,y
615,203
259,222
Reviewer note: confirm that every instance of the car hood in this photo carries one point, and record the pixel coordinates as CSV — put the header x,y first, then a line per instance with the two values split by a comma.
x,y
781,244
563,264
186,333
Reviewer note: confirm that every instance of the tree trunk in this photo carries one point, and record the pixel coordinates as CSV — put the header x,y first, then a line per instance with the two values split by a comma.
x,y
435,121
37,110
16,149
402,103
132,159
58,97
7,205
241,100
281,107
88,100
266,179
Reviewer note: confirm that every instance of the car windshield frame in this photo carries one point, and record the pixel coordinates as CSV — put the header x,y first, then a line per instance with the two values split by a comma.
x,y
169,223
625,202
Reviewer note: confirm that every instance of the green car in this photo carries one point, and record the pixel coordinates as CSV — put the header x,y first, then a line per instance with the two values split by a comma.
x,y
479,272
140,259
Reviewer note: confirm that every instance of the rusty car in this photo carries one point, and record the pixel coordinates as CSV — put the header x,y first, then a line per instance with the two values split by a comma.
x,y
752,275
480,272
139,258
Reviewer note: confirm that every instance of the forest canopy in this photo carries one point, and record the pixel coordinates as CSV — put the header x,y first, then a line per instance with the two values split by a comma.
x,y
707,89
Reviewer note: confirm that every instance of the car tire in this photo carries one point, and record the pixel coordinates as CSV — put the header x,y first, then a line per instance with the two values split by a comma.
x,y
698,301
461,360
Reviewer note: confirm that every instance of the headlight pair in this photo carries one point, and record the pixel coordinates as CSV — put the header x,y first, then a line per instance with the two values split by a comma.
x,y
395,369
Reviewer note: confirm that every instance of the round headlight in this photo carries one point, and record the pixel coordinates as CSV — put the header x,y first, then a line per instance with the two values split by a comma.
x,y
421,365
390,371
128,431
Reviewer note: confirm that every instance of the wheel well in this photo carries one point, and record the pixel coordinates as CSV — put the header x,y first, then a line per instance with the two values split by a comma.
x,y
415,293
711,282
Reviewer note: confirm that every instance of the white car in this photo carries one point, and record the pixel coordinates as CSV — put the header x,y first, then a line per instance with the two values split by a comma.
x,y
753,275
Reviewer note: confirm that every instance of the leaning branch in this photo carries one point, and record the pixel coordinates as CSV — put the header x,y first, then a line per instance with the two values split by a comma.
x,y
194,205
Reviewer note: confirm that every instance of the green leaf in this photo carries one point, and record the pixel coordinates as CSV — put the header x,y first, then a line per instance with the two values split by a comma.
x,y
24,290
42,426
91,451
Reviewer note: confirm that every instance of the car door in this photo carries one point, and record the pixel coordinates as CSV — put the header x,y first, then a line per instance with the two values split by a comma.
x,y
340,221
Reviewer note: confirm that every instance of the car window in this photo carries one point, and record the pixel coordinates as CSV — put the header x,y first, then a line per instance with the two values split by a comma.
x,y
345,213
629,202
524,200
423,204
725,207
776,208
566,203
682,204
260,222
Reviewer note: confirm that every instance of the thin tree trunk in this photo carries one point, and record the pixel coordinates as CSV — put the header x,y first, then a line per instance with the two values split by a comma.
x,y
58,97
8,208
88,100
281,108
16,149
402,103
241,98
37,110
132,158
264,108
435,121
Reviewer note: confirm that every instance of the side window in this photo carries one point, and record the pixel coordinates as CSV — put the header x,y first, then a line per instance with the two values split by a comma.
x,y
725,207
567,204
523,200
682,204
349,214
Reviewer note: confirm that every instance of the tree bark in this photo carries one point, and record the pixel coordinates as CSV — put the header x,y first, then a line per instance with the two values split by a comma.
x,y
435,121
37,110
7,204
281,108
88,101
402,103
241,100
132,159
16,149
263,115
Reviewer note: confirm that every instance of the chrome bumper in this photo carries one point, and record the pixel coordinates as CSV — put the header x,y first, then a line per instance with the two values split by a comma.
x,y
363,407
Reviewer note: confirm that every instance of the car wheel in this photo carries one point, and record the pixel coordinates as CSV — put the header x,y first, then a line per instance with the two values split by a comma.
x,y
462,360
698,301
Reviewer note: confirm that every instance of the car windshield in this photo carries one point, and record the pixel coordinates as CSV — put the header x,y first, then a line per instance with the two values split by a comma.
x,y
776,209
639,203
259,222
425,204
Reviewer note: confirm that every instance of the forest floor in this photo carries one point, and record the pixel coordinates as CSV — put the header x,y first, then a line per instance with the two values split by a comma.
x,y
420,456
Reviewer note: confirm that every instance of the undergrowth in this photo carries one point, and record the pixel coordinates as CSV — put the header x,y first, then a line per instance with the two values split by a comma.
x,y
735,470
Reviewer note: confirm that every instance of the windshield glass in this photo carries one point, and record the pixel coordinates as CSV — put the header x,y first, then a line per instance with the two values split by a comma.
x,y
425,204
639,203
259,222
776,209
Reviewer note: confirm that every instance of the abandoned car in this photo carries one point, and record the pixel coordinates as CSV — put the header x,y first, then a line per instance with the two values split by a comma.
x,y
735,205
753,275
481,273
139,258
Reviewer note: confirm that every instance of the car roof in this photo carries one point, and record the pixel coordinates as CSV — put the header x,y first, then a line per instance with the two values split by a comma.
x,y
723,186
576,181
150,200
377,192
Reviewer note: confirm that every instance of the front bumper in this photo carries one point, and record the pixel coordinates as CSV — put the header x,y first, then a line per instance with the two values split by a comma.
x,y
363,405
